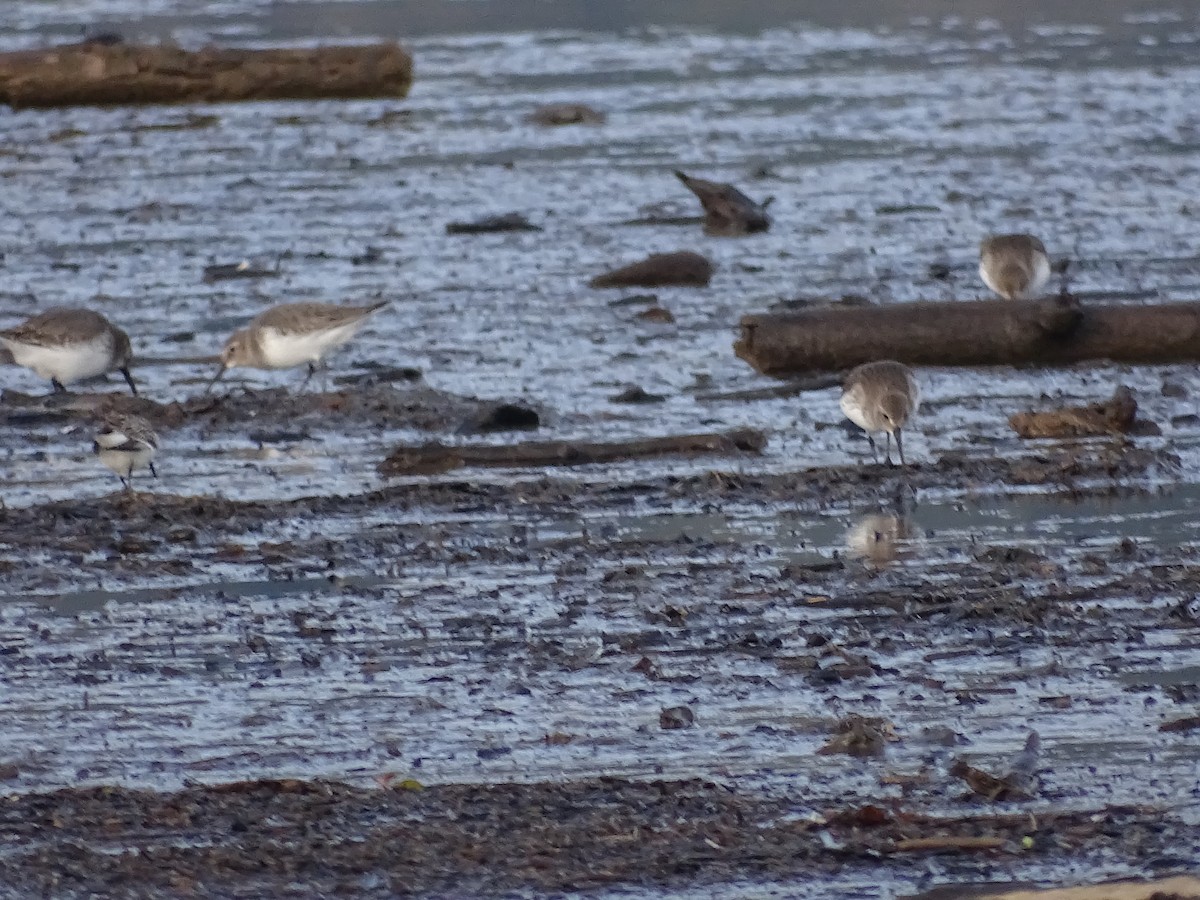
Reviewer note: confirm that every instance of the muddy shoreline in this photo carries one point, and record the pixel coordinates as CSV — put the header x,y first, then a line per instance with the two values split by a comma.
x,y
310,839
724,666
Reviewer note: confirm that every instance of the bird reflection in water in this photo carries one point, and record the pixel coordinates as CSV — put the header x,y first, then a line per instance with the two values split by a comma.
x,y
879,538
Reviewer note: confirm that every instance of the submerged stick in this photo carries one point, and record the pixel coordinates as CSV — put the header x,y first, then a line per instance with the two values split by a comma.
x,y
94,73
949,842
430,459
1055,331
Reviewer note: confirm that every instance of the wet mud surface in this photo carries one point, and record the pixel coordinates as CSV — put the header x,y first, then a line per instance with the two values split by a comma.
x,y
275,670
302,838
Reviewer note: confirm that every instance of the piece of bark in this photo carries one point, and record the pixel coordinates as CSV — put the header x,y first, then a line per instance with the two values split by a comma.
x,y
430,459
1187,723
503,417
659,314
512,221
93,73
674,717
1117,415
1053,331
554,114
857,735
636,394
683,268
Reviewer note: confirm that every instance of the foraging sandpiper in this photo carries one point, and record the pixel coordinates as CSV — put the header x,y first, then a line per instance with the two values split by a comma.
x,y
881,396
292,334
1015,266
66,345
126,443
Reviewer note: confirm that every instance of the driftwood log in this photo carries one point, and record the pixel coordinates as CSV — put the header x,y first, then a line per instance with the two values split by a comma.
x,y
1056,331
93,73
431,459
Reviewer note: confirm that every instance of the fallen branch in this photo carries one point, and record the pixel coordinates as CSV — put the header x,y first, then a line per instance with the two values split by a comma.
x,y
790,389
949,842
93,73
433,458
1055,331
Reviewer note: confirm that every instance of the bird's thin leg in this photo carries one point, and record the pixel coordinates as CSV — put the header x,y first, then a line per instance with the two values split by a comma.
x,y
129,380
153,471
900,446
126,483
312,370
58,386
874,449
887,454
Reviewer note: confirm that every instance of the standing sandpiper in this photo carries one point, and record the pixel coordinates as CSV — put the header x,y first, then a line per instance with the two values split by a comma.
x,y
291,334
126,443
727,211
67,345
881,396
1015,266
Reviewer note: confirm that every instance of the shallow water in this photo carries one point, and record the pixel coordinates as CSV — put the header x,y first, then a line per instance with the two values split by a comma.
x,y
452,640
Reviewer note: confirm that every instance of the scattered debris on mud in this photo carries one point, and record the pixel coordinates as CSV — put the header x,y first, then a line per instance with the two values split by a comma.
x,y
1115,416
492,839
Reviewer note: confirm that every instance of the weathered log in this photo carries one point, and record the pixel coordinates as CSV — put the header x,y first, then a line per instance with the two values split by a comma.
x,y
93,73
1055,331
433,458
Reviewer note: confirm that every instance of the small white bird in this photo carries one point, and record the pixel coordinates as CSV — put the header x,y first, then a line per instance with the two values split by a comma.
x,y
1015,266
126,443
292,334
881,396
66,345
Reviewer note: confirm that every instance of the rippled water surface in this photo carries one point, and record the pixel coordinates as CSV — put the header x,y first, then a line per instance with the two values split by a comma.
x,y
459,637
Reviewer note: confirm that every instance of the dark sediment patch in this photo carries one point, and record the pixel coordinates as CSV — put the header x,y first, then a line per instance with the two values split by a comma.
x,y
326,838
375,401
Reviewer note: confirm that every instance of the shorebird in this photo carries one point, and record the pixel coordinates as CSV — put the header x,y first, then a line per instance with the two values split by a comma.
x,y
881,396
727,211
66,345
126,443
292,334
1015,266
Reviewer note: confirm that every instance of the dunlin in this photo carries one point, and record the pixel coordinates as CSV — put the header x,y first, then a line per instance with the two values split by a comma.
x,y
67,345
881,396
126,443
727,211
1015,266
292,334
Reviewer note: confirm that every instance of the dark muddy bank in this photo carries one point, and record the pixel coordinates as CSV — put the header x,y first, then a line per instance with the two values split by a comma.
x,y
316,839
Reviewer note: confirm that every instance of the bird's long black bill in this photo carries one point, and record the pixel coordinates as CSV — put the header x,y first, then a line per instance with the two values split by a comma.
x,y
129,381
221,371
